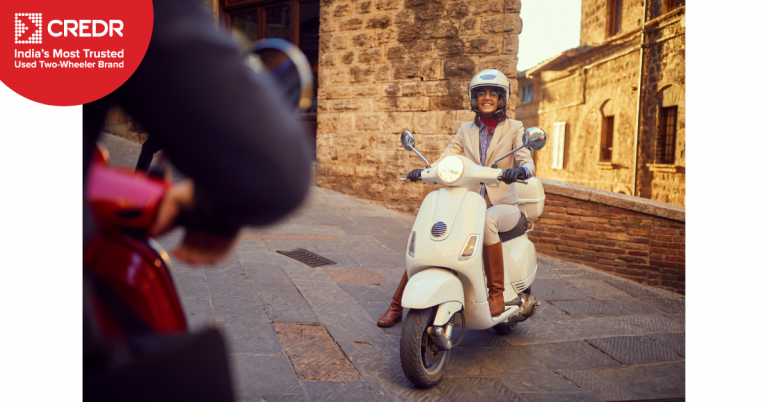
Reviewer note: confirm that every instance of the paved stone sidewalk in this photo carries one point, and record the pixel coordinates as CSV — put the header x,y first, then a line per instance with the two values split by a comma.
x,y
596,337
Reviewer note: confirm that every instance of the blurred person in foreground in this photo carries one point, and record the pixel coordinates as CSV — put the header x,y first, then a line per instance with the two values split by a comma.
x,y
221,125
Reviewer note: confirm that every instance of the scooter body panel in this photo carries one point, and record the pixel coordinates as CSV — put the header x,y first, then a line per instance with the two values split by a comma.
x,y
520,265
432,287
468,219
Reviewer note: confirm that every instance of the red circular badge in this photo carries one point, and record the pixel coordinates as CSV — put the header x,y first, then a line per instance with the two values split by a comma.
x,y
69,53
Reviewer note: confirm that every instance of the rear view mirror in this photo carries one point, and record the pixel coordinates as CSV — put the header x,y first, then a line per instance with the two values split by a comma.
x,y
284,63
406,138
534,138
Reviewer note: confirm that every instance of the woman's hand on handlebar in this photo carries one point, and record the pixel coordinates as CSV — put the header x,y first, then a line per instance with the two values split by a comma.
x,y
414,175
512,175
198,247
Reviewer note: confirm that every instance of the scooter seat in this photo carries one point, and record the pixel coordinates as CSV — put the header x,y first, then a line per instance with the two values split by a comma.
x,y
517,231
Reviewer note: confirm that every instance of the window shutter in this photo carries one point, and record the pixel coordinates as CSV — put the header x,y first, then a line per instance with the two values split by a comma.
x,y
558,145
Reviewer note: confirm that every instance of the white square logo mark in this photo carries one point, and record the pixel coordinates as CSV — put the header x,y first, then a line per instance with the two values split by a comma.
x,y
29,28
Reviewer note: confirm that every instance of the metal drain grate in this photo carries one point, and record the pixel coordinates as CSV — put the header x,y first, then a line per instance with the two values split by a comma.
x,y
307,257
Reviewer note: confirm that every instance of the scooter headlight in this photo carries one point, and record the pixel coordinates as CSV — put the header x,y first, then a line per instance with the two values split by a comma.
x,y
450,169
470,248
412,244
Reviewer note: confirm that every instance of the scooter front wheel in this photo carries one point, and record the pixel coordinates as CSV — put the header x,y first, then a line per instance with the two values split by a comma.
x,y
423,362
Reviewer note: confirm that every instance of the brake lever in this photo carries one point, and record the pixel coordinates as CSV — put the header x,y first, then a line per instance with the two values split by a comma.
x,y
403,178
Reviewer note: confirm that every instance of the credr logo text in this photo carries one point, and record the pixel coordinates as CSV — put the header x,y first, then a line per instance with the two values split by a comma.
x,y
85,28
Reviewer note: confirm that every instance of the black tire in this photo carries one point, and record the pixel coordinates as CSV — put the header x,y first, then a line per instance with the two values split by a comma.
x,y
505,328
421,365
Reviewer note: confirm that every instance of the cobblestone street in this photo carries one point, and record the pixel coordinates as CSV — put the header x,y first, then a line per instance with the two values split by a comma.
x,y
296,333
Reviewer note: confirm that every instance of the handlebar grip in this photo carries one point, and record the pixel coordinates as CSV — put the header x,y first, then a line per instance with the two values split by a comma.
x,y
519,181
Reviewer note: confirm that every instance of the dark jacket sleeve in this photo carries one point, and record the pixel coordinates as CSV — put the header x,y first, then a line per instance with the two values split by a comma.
x,y
219,123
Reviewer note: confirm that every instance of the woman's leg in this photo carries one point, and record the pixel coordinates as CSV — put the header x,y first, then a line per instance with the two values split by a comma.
x,y
395,311
498,218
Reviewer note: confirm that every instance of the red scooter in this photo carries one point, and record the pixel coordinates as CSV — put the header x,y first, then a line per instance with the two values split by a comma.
x,y
122,255
122,259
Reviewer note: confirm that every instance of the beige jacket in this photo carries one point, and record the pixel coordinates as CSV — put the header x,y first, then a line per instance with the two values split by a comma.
x,y
507,136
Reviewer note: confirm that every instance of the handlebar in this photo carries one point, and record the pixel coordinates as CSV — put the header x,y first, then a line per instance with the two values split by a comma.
x,y
403,178
518,181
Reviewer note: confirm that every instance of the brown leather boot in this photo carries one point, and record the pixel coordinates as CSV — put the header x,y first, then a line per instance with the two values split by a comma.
x,y
493,264
394,313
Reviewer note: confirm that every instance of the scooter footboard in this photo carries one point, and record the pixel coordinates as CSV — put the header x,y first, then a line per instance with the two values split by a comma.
x,y
431,287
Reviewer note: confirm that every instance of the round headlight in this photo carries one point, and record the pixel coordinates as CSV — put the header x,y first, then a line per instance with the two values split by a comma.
x,y
450,169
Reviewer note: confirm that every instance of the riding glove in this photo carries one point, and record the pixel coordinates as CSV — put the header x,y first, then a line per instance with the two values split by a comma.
x,y
414,175
512,175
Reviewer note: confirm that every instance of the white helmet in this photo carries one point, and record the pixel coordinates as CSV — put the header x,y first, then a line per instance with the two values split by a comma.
x,y
489,78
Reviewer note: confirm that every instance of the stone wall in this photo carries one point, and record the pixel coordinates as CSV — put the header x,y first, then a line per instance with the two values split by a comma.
x,y
581,99
663,85
632,237
602,80
594,17
393,65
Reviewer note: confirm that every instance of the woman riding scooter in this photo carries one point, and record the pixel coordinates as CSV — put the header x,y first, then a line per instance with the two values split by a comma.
x,y
483,140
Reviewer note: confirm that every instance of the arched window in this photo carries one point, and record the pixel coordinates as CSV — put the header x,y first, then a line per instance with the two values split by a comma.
x,y
608,113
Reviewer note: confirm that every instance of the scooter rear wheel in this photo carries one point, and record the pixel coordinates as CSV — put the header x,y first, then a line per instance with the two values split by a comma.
x,y
422,363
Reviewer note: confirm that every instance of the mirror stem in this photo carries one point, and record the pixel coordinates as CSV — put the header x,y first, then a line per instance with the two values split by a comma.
x,y
494,166
421,156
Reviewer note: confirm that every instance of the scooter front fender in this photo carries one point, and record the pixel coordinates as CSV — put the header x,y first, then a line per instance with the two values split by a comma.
x,y
431,287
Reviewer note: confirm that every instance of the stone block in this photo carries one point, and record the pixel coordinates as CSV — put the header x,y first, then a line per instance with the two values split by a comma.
x,y
404,17
469,26
386,36
405,71
440,122
484,45
502,24
459,68
386,103
257,375
364,7
347,104
489,7
361,40
351,24
431,70
388,4
411,88
457,11
384,72
396,53
511,44
412,104
450,48
368,122
441,30
372,56
392,89
396,122
436,88
448,102
342,10
366,90
361,74
506,64
380,21
409,33
512,6
348,57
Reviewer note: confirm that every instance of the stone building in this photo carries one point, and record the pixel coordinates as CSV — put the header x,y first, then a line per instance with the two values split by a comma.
x,y
614,107
391,65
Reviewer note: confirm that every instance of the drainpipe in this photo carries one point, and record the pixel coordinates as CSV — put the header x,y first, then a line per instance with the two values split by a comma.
x,y
639,99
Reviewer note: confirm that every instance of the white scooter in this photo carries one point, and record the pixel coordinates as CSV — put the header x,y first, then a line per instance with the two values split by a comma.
x,y
445,265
